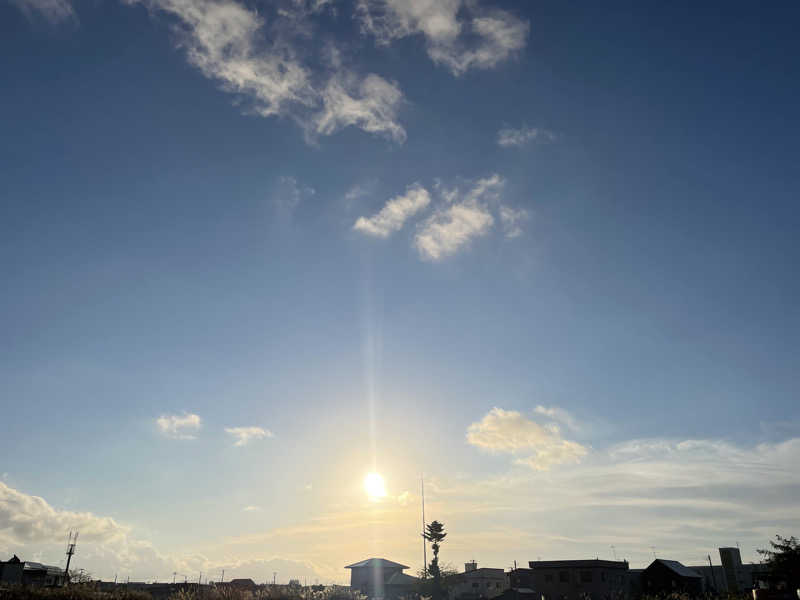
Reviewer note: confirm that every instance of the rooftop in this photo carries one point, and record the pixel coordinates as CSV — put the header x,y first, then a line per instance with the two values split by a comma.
x,y
578,564
376,563
677,568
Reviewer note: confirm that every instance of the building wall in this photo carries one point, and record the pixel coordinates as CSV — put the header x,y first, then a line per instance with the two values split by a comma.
x,y
370,581
11,572
477,583
659,578
560,580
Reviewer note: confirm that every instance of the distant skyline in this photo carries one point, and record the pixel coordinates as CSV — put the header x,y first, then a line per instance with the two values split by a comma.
x,y
253,251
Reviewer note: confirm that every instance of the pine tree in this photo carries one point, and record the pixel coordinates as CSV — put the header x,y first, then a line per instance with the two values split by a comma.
x,y
434,533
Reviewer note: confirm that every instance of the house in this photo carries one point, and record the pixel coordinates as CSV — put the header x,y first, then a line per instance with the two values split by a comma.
x,y
579,579
34,573
242,584
670,576
475,583
381,578
11,570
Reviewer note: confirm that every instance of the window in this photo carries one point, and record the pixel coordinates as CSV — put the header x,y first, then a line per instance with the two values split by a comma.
x,y
602,575
586,576
548,577
563,576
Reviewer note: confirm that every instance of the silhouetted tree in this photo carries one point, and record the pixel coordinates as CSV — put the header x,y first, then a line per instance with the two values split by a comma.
x,y
434,533
783,560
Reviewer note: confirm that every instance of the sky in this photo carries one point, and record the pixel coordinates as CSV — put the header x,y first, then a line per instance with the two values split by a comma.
x,y
544,253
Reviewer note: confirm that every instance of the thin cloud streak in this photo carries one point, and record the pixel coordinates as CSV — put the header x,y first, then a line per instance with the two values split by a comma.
x,y
395,213
179,427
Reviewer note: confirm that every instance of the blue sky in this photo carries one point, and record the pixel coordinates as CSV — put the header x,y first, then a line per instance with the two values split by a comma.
x,y
544,252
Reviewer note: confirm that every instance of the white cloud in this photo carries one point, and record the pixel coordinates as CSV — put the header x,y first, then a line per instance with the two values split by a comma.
x,y
259,59
558,414
459,34
370,103
55,11
29,519
243,435
454,226
512,220
395,213
509,137
537,446
179,427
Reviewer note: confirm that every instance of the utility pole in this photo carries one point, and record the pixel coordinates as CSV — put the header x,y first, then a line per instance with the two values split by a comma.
x,y
653,550
174,573
274,576
614,551
424,541
713,578
222,579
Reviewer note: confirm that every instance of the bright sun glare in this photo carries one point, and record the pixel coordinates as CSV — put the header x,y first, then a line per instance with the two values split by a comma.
x,y
374,486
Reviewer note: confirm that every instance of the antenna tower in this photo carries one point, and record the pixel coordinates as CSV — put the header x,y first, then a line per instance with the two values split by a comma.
x,y
424,544
72,541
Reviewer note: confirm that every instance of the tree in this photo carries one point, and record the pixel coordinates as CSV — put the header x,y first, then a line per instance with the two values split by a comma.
x,y
783,560
434,533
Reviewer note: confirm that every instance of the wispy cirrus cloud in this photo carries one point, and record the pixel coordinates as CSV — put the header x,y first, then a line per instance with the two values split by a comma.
x,y
244,435
258,56
462,219
179,427
54,11
512,220
537,446
395,212
558,414
509,137
458,34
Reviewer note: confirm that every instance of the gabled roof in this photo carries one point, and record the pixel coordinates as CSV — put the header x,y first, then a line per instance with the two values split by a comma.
x,y
678,568
376,563
401,579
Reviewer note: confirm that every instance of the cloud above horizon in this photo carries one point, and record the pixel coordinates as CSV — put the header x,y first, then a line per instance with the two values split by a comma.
x,y
244,435
179,427
509,137
395,212
539,447
260,56
54,11
462,218
459,34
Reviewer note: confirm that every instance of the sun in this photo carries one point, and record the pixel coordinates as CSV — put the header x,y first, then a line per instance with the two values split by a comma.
x,y
374,486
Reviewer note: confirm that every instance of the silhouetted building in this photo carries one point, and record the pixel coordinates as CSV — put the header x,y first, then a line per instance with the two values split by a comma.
x,y
381,578
579,579
520,578
732,566
11,570
732,575
475,583
670,576
35,573
242,584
